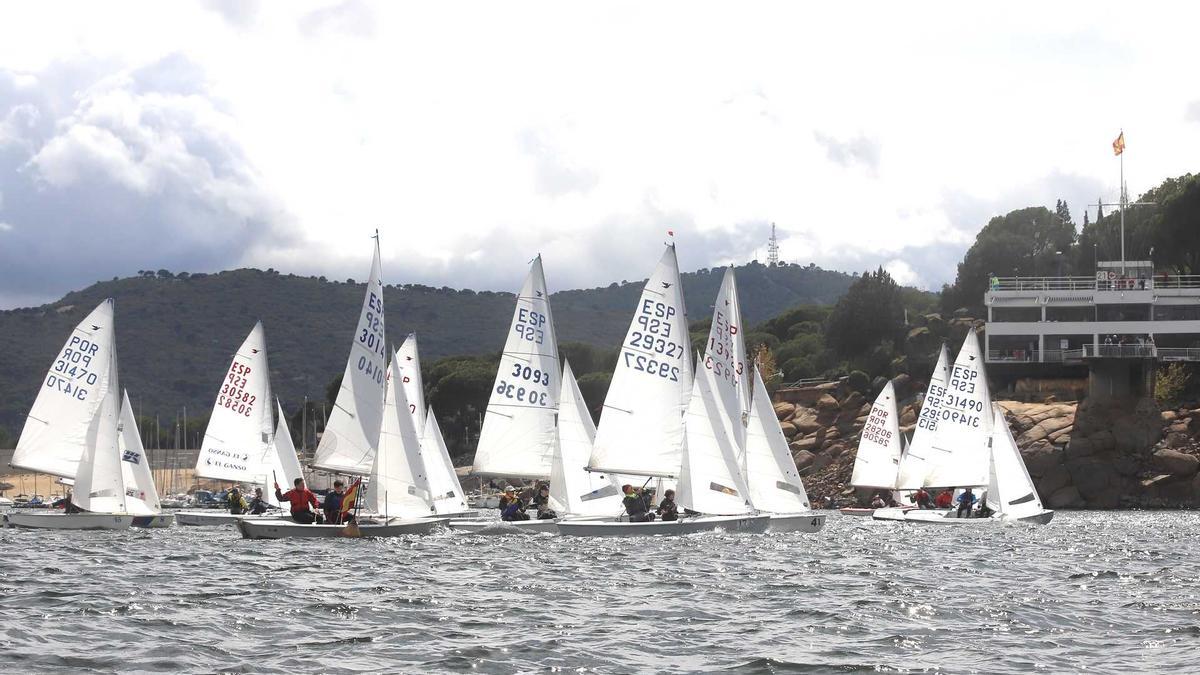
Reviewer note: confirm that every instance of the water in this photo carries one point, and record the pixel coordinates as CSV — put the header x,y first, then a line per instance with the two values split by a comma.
x,y
1107,592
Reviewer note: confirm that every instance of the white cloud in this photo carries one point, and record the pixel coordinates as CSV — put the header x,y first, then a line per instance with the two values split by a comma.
x,y
5,227
476,134
902,272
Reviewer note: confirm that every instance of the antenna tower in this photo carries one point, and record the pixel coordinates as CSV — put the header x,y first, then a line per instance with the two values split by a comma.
x,y
772,249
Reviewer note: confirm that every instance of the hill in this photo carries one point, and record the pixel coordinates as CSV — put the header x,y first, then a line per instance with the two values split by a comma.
x,y
176,332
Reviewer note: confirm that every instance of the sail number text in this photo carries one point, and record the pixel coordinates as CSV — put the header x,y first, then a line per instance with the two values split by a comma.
x,y
720,357
72,368
370,337
234,396
530,325
931,407
876,427
959,409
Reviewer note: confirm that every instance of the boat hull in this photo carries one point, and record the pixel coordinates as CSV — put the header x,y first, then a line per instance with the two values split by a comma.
x,y
215,518
597,528
275,528
154,521
503,527
948,518
796,522
69,521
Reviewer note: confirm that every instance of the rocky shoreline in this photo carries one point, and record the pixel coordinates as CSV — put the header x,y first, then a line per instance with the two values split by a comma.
x,y
1080,455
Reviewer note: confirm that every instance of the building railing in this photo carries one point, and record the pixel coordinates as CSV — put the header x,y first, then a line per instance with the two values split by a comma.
x,y
806,382
1157,282
1024,356
1178,354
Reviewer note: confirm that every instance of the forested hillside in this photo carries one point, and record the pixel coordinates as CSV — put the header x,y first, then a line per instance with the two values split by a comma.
x,y
176,332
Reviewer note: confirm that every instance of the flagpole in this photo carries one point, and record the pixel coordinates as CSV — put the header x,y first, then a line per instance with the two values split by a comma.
x,y
1122,200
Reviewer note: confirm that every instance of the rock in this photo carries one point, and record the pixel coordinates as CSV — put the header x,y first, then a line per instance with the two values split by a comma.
x,y
1061,436
827,403
821,461
803,444
1101,442
903,384
789,429
1054,479
1044,428
1065,498
1180,427
1078,447
803,459
784,410
1169,415
1175,463
1158,480
1177,439
1039,460
1093,477
806,420
854,401
836,450
908,417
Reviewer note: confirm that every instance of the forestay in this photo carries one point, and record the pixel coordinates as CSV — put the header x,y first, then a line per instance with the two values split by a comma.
x,y
710,480
573,489
771,473
56,432
916,462
725,356
446,491
241,426
959,449
141,496
1011,492
878,459
398,486
352,431
517,438
99,484
641,430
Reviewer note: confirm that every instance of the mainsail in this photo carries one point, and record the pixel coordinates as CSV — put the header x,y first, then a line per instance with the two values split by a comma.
x,y
959,449
710,480
398,486
573,489
352,431
915,464
99,484
877,462
517,438
771,473
141,496
725,356
57,431
445,490
241,426
641,430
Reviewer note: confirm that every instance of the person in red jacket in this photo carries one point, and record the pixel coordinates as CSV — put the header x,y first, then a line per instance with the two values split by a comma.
x,y
302,499
945,499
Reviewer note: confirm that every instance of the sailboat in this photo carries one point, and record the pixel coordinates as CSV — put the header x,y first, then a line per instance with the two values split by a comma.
x,y
880,449
396,500
243,443
445,490
915,464
141,496
643,431
517,438
351,433
72,431
968,439
771,473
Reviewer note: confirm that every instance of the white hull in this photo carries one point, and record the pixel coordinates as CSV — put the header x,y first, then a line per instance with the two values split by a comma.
x,y
949,518
796,522
69,521
484,502
865,512
278,528
155,521
214,517
900,513
591,528
503,527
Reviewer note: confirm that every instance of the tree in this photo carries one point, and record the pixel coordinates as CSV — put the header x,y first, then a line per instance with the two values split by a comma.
x,y
870,312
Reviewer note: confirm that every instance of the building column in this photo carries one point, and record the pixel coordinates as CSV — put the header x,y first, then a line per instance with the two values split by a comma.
x,y
987,343
1043,314
1042,345
1095,344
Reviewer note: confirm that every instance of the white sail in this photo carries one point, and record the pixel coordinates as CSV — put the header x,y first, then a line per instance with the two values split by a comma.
x,y
959,449
573,489
56,432
641,429
280,463
141,496
877,462
771,473
241,426
517,438
725,356
445,490
398,486
915,464
1011,492
99,483
710,480
352,431
410,376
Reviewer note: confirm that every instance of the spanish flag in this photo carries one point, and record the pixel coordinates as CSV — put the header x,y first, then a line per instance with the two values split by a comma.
x,y
1119,144
351,497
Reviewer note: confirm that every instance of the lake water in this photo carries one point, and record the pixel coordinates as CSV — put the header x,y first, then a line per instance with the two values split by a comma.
x,y
1109,592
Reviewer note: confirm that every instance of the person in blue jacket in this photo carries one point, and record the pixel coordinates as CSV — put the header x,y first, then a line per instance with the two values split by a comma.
x,y
965,502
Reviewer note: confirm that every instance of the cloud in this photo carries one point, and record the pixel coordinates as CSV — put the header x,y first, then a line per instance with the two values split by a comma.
x,y
5,227
556,174
1192,112
239,13
351,18
144,172
856,151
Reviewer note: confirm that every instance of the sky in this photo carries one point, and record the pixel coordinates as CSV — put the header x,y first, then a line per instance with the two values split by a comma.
x,y
201,136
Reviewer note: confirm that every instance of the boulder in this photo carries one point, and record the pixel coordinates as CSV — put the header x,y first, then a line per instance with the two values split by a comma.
x,y
1093,477
835,450
1175,463
1078,447
1041,459
803,459
854,401
789,429
809,444
1066,498
806,420
1169,416
784,410
1054,479
1177,439
908,417
821,461
1061,436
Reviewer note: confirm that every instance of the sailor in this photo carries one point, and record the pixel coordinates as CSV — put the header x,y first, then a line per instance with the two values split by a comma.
x,y
258,505
667,509
302,501
877,502
544,512
237,503
636,505
965,501
333,503
984,511
922,499
510,494
542,497
515,509
944,499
